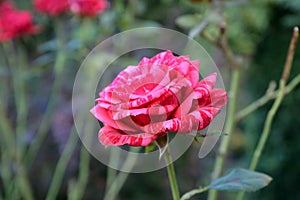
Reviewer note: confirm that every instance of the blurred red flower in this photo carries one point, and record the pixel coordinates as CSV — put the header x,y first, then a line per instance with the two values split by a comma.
x,y
15,23
87,8
51,7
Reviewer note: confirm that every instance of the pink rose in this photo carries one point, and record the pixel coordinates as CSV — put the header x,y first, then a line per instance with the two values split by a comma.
x,y
162,94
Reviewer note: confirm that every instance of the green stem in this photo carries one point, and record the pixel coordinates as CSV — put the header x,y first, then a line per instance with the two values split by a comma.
x,y
266,98
191,193
266,132
83,174
21,102
271,114
120,179
19,85
171,175
61,166
58,75
23,182
267,127
6,175
78,191
112,173
229,128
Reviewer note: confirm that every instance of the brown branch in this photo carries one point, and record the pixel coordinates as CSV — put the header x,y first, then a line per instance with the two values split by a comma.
x,y
290,55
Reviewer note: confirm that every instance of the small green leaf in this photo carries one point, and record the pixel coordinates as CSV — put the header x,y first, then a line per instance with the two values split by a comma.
x,y
150,147
189,21
241,180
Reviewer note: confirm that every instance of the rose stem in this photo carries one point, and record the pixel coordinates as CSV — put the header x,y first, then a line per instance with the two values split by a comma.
x,y
267,126
62,164
171,175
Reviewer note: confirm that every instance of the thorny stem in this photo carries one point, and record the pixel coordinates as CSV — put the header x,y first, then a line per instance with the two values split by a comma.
x,y
267,126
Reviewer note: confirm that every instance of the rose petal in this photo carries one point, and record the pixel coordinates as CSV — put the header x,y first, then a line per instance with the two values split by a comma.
x,y
189,69
106,116
110,136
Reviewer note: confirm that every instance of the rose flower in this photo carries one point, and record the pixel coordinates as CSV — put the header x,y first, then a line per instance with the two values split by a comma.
x,y
15,23
87,8
51,7
162,94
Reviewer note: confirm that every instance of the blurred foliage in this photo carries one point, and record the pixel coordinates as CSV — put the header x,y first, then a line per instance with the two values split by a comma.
x,y
258,29
281,154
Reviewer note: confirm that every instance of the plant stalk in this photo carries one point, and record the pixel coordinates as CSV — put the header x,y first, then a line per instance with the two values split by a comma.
x,y
229,128
172,175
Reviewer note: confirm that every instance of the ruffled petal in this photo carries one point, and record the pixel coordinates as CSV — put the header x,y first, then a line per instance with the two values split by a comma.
x,y
110,136
189,69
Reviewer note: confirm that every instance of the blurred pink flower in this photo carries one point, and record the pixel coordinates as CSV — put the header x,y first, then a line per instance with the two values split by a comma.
x,y
51,7
15,23
88,8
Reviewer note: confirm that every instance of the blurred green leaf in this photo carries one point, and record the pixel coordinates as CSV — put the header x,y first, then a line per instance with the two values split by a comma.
x,y
189,21
215,17
50,45
241,180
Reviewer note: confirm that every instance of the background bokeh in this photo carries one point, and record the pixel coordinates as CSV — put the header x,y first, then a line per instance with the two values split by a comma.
x,y
258,31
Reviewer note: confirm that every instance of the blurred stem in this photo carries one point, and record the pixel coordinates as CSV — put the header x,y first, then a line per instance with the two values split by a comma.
x,y
23,181
61,166
235,65
112,173
58,75
229,128
191,193
22,106
19,85
266,98
7,135
17,64
6,175
270,116
172,175
78,191
120,179
83,174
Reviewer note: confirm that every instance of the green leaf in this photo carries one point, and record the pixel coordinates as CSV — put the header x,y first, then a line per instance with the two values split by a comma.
x,y
150,147
241,180
189,21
